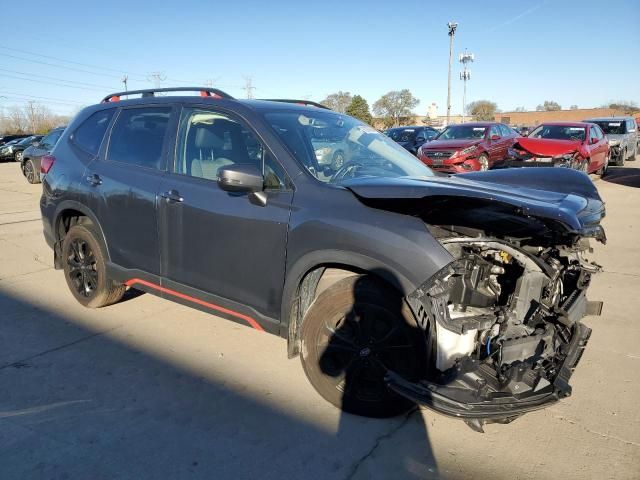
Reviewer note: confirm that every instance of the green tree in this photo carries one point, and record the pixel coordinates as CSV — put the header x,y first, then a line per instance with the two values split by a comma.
x,y
338,101
482,110
395,105
573,107
359,108
549,106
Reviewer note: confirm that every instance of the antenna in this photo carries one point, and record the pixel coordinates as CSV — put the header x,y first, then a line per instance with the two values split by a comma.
x,y
465,75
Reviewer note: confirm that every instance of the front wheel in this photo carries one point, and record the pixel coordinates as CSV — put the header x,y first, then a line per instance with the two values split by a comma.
x,y
338,161
605,167
18,157
353,333
483,160
85,269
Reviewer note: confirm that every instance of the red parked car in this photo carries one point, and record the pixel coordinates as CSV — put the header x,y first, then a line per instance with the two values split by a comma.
x,y
578,145
468,147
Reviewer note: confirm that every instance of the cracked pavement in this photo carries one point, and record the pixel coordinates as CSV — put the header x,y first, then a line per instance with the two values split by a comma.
x,y
152,389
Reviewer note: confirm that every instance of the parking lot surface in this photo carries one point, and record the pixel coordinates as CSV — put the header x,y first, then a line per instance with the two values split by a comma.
x,y
151,389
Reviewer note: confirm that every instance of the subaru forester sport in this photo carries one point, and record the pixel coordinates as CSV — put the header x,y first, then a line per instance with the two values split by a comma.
x,y
395,285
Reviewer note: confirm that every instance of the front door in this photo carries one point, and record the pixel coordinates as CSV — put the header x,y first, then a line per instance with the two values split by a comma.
x,y
216,242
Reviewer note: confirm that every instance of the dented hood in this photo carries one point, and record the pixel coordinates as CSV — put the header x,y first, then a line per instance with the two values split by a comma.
x,y
545,147
561,195
450,144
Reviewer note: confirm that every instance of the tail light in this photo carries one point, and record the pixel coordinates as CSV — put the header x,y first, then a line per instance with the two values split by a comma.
x,y
46,163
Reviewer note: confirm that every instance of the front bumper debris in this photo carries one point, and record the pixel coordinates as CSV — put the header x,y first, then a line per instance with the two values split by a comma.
x,y
495,407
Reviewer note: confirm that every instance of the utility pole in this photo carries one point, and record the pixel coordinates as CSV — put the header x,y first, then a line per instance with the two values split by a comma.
x,y
157,78
125,78
248,86
452,31
465,58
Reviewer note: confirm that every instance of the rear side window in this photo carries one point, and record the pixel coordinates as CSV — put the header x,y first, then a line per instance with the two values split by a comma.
x,y
88,136
49,141
138,135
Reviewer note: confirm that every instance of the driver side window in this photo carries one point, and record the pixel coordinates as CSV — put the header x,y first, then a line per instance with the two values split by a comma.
x,y
210,140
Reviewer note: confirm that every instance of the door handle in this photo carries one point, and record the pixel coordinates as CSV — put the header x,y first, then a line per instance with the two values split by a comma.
x,y
94,179
172,196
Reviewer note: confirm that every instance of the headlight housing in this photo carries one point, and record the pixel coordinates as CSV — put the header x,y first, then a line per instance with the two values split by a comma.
x,y
470,149
614,143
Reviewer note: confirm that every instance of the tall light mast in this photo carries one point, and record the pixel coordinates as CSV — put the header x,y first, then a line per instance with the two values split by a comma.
x,y
452,31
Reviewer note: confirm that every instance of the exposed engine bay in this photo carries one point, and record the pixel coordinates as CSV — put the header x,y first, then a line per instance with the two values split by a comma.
x,y
503,318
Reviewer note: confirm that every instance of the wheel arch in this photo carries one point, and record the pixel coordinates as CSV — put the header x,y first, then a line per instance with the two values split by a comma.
x,y
315,272
70,213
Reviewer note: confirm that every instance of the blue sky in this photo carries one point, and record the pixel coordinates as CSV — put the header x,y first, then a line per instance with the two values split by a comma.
x,y
574,52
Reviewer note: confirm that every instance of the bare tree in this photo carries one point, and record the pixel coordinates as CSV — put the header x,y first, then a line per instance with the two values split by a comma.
x,y
31,118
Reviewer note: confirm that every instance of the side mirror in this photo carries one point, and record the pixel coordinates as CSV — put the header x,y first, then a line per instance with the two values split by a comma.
x,y
594,140
495,137
36,144
240,178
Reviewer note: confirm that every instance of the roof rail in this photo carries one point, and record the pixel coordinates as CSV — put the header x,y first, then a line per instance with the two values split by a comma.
x,y
299,102
151,92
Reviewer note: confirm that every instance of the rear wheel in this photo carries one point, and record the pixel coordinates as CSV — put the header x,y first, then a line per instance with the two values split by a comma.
x,y
352,334
85,269
29,170
483,160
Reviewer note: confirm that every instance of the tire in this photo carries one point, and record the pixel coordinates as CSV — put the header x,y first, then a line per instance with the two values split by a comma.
x,y
605,167
85,269
583,166
29,170
352,333
18,157
483,160
338,161
621,158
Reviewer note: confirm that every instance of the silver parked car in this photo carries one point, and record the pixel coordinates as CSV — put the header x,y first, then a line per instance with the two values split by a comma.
x,y
623,139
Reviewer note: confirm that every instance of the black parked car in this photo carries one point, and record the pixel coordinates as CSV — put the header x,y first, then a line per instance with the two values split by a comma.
x,y
13,150
4,139
412,137
394,285
32,155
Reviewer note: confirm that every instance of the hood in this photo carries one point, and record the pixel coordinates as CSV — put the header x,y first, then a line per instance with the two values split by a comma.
x,y
545,147
450,144
557,194
616,136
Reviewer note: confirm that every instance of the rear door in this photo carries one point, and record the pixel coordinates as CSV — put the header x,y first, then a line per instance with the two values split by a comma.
x,y
218,245
124,182
495,147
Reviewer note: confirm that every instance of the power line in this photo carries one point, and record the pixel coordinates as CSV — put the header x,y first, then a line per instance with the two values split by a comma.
x,y
66,67
54,78
14,94
97,67
52,83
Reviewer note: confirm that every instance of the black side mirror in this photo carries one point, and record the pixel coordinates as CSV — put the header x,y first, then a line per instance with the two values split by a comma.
x,y
241,178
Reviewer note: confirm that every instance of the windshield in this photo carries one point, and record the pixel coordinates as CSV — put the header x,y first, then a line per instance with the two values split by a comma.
x,y
462,132
613,128
365,151
559,132
401,134
26,141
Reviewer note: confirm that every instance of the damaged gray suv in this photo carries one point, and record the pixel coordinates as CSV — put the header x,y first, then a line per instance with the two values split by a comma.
x,y
394,285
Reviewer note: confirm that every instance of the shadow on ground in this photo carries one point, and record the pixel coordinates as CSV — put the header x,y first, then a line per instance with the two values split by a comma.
x,y
76,403
629,177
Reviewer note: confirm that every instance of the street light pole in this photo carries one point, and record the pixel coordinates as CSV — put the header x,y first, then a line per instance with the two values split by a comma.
x,y
452,31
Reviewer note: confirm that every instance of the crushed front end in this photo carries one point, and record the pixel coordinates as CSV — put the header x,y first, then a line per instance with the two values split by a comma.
x,y
503,324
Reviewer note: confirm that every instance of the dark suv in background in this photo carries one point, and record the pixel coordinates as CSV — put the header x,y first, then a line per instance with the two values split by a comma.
x,y
412,137
31,157
394,285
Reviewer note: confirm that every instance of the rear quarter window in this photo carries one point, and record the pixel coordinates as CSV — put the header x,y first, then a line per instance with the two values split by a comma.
x,y
88,136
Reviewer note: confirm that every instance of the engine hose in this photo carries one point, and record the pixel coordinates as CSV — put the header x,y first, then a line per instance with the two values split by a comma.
x,y
488,346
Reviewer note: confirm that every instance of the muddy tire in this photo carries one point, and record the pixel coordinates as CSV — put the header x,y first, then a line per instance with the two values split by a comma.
x,y
84,266
604,169
352,333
